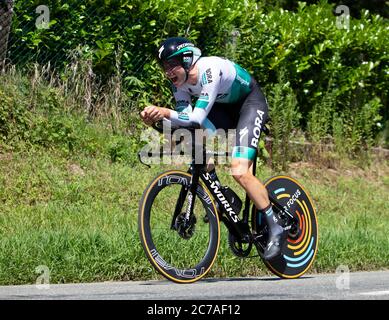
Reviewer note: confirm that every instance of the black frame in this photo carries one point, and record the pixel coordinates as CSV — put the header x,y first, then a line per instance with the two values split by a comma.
x,y
238,227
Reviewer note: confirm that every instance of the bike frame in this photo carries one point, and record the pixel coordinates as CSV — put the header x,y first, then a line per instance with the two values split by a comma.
x,y
238,227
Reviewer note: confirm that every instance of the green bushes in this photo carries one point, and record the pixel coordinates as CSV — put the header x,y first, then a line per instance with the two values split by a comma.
x,y
284,116
338,77
34,113
325,66
13,118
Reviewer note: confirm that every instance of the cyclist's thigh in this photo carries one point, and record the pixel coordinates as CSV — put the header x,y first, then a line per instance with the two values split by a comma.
x,y
253,115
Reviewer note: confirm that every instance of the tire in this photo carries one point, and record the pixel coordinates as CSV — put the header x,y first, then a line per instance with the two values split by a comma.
x,y
299,250
174,257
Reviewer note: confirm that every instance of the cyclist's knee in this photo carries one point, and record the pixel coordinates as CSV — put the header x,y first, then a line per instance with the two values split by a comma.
x,y
240,169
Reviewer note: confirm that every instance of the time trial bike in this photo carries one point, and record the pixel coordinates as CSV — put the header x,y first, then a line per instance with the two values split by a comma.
x,y
179,223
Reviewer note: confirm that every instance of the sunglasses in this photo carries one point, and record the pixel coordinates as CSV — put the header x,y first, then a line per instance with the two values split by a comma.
x,y
170,64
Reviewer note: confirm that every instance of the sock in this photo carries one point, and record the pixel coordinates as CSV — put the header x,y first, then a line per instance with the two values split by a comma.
x,y
270,218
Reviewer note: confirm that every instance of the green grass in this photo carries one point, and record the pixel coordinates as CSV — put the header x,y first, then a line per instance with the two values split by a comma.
x,y
78,216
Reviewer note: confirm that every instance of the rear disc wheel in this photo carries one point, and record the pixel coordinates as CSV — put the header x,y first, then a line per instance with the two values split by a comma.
x,y
300,247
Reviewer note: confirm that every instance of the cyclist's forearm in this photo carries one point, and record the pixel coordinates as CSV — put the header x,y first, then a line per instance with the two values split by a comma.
x,y
184,119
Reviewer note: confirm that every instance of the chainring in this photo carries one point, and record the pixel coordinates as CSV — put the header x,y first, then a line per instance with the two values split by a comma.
x,y
237,248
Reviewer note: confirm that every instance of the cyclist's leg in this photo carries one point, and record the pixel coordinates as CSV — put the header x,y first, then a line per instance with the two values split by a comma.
x,y
242,172
220,117
253,115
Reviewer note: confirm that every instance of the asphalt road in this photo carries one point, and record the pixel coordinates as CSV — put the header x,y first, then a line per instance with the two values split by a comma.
x,y
344,286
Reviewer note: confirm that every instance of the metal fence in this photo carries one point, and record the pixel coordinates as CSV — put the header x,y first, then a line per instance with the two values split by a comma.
x,y
6,13
69,39
34,34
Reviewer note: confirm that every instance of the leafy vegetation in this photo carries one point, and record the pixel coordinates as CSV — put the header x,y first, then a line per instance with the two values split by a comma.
x,y
35,113
334,67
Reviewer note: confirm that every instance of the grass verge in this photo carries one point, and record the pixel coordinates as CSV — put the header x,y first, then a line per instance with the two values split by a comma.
x,y
77,215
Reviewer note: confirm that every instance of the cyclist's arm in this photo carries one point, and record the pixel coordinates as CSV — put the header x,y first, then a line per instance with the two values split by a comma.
x,y
211,80
183,100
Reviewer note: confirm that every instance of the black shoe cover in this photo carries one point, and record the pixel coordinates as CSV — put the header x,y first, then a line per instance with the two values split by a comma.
x,y
274,243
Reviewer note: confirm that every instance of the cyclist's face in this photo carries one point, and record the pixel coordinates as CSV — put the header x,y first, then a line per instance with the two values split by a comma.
x,y
174,72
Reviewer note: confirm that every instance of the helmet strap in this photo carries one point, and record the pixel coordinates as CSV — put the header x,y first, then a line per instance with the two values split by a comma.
x,y
186,74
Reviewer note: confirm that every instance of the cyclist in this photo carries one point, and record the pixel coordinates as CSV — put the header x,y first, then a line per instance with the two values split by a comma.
x,y
228,97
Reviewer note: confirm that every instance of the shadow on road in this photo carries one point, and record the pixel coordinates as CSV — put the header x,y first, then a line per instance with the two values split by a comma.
x,y
251,279
215,280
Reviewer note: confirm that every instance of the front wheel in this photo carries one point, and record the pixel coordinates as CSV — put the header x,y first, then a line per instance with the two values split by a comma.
x,y
181,250
299,250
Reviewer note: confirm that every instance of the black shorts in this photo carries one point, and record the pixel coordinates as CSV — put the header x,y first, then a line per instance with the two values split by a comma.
x,y
248,116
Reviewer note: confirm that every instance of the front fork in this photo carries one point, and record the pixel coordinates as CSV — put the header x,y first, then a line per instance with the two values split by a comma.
x,y
191,189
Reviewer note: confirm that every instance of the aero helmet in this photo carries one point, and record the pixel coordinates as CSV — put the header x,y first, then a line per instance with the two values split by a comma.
x,y
179,51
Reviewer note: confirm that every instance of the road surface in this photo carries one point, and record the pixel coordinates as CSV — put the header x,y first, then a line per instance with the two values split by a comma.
x,y
344,286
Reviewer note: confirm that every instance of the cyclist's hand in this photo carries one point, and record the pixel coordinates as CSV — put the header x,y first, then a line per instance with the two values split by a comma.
x,y
151,114
145,118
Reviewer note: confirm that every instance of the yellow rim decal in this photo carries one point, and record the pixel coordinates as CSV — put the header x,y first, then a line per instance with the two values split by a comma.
x,y
308,239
